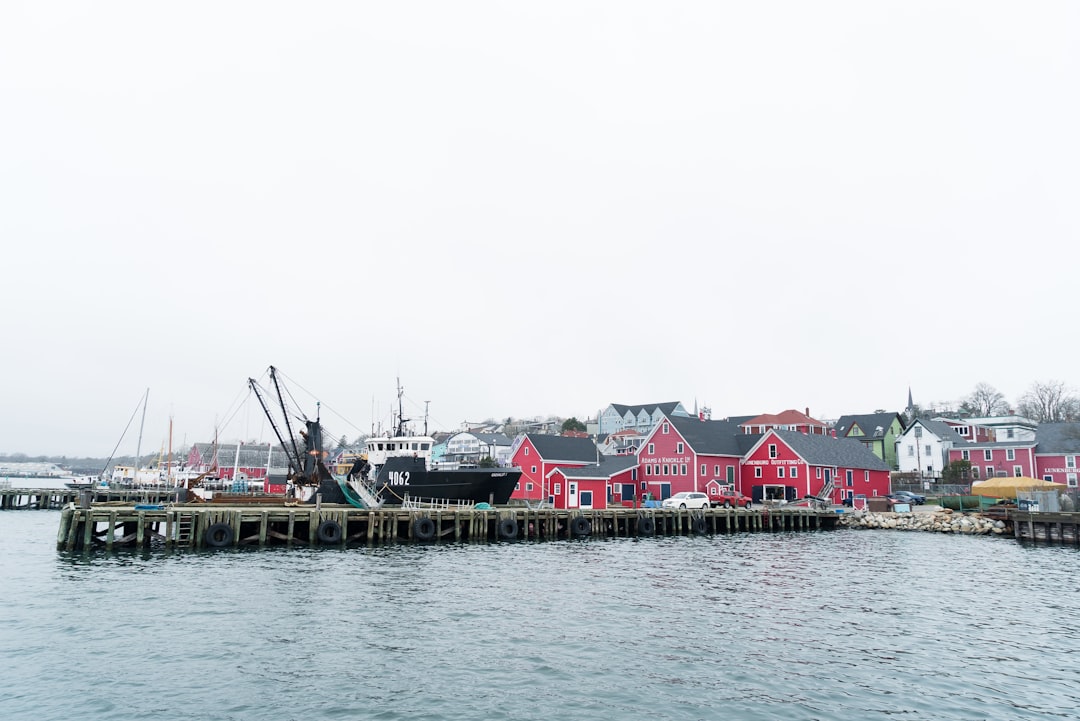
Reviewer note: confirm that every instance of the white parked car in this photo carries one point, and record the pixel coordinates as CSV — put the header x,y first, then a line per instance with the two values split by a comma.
x,y
687,499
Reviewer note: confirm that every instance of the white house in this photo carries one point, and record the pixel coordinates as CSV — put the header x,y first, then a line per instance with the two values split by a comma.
x,y
923,448
1007,428
470,447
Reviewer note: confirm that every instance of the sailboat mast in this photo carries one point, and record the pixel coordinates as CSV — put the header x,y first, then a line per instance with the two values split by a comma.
x,y
168,462
138,446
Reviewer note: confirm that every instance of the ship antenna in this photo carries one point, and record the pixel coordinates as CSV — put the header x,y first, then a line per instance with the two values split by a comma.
x,y
426,404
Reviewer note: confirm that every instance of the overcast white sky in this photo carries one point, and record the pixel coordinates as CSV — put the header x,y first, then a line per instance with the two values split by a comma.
x,y
528,209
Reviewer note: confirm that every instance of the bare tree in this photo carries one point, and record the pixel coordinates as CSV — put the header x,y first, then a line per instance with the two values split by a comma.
x,y
984,401
1049,402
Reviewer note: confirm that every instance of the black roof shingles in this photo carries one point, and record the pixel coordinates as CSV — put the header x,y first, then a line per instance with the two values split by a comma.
x,y
564,448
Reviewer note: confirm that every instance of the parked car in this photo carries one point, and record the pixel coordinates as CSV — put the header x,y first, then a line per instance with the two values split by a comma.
x,y
729,499
914,499
686,499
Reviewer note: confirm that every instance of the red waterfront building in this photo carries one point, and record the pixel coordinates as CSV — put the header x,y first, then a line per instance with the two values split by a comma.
x,y
687,454
788,465
537,455
1058,453
1007,458
612,482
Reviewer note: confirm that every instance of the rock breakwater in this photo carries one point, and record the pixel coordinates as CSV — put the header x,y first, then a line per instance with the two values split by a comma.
x,y
944,521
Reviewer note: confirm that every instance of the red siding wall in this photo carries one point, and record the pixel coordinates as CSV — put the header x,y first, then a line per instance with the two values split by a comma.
x,y
661,461
999,462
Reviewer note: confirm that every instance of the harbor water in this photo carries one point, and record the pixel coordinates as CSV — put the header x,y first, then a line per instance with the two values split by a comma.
x,y
815,625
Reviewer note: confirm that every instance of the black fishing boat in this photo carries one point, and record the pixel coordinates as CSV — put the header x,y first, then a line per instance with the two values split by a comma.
x,y
397,469
401,479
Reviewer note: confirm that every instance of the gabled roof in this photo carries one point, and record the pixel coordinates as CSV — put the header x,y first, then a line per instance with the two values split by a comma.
x,y
940,429
609,466
563,448
829,451
790,417
720,438
650,408
867,423
1063,438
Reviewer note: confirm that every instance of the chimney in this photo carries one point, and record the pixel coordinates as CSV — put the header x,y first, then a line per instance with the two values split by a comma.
x,y
808,411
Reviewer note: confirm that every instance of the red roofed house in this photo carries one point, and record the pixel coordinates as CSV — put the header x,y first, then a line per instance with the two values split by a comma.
x,y
789,420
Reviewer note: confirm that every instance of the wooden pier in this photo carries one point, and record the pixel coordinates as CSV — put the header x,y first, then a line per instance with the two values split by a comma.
x,y
1046,527
221,526
14,499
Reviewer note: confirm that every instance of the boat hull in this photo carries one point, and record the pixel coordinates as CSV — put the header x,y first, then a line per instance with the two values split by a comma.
x,y
409,476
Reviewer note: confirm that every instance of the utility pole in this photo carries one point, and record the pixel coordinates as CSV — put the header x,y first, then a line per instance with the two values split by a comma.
x,y
918,452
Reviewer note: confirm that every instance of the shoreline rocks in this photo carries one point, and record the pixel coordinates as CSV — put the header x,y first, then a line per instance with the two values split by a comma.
x,y
943,521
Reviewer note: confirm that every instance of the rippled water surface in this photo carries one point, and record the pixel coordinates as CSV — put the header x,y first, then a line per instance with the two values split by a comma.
x,y
830,625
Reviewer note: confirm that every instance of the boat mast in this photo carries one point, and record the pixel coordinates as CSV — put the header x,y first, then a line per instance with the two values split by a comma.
x,y
168,461
138,446
401,410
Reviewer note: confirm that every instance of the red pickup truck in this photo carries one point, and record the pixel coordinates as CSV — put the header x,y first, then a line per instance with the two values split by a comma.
x,y
728,499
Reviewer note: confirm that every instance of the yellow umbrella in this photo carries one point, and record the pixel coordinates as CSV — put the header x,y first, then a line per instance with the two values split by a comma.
x,y
1007,486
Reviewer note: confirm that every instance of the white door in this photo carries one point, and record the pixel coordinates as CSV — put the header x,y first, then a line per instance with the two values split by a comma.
x,y
571,494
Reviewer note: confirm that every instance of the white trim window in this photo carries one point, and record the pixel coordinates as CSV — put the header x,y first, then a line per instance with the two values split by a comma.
x,y
1018,471
772,450
1070,478
794,471
965,455
1010,454
779,471
679,447
652,449
757,471
703,469
988,455
1070,461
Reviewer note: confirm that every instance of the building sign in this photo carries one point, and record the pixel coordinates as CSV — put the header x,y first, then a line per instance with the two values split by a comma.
x,y
665,459
773,462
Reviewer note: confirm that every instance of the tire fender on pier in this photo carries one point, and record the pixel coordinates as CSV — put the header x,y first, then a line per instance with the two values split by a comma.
x,y
423,529
700,526
219,535
580,526
646,526
508,528
329,532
